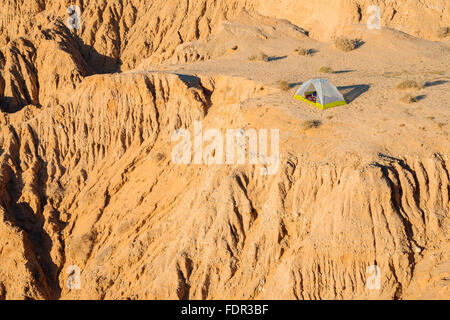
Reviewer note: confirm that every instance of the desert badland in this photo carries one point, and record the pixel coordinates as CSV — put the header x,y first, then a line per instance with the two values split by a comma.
x,y
92,205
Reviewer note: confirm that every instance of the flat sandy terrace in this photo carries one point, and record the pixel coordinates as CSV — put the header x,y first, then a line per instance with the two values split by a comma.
x,y
375,121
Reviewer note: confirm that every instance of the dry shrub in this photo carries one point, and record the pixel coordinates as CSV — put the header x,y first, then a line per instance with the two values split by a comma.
x,y
284,85
304,51
259,57
310,124
345,44
408,99
410,84
81,246
326,70
160,156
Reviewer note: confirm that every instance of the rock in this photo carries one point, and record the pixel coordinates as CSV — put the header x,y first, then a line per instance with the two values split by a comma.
x,y
90,194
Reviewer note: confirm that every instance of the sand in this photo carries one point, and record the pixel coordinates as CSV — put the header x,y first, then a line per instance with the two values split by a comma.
x,y
90,192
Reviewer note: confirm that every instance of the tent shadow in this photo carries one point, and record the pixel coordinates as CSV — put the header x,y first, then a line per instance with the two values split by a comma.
x,y
295,84
351,93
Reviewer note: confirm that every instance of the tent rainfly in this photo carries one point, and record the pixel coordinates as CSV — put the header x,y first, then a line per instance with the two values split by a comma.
x,y
320,93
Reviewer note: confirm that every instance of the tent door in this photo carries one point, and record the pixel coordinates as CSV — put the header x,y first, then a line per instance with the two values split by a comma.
x,y
311,96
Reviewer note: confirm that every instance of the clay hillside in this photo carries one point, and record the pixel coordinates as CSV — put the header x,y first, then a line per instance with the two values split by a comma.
x,y
94,204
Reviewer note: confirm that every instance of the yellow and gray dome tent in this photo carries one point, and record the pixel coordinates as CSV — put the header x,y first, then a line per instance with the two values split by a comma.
x,y
320,93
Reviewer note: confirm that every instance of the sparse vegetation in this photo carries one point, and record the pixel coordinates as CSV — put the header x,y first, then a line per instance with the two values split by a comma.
x,y
259,57
284,85
234,48
304,51
82,245
408,99
326,70
345,44
410,84
160,156
310,124
443,32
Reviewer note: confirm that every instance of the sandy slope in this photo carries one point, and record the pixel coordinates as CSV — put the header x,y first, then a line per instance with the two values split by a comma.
x,y
87,178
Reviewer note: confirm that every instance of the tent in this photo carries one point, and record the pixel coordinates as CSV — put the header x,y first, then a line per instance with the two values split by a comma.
x,y
320,93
